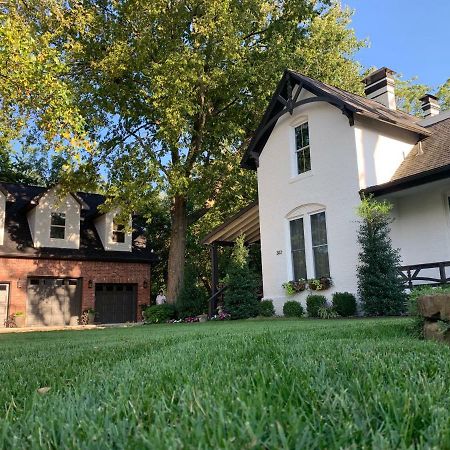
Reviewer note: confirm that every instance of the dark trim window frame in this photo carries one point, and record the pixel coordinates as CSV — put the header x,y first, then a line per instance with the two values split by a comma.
x,y
58,225
319,244
302,148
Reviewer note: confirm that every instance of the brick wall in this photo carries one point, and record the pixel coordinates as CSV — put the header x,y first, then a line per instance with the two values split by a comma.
x,y
16,272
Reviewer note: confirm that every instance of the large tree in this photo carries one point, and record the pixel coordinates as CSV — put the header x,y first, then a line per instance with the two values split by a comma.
x,y
172,90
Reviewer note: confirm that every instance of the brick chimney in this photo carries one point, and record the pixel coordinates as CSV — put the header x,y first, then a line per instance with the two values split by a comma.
x,y
380,87
430,105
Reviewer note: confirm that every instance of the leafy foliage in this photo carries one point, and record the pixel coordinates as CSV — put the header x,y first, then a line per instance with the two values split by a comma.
x,y
379,286
327,312
344,303
292,308
192,300
266,308
159,313
240,298
314,303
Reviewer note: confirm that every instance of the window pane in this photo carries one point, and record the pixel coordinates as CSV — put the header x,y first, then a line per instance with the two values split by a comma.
x,y
299,264
118,236
301,136
303,160
57,232
297,235
318,229
320,245
305,135
321,265
298,249
58,219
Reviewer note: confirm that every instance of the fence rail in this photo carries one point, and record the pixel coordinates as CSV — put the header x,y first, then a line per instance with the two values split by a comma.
x,y
414,275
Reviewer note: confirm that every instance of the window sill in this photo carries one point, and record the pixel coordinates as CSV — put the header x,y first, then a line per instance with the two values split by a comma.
x,y
301,176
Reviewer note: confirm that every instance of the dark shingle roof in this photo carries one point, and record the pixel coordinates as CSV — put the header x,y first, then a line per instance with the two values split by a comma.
x,y
350,104
428,161
18,241
431,153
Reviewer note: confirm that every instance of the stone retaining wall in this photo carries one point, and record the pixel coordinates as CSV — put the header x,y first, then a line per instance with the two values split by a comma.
x,y
435,309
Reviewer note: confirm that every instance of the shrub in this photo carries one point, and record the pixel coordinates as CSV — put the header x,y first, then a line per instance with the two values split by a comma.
x,y
327,312
193,299
313,303
159,313
379,286
266,308
344,303
293,309
240,298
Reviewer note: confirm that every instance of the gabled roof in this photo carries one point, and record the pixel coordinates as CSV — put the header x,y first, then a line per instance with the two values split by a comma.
x,y
350,104
35,200
19,243
428,161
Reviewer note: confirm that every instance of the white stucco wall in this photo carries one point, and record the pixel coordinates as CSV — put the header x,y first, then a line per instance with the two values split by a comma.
x,y
39,219
381,149
332,185
104,226
2,217
421,227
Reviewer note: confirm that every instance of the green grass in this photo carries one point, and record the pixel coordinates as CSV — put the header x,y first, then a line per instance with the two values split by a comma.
x,y
255,384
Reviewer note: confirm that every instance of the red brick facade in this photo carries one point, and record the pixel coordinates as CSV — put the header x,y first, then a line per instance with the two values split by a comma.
x,y
16,272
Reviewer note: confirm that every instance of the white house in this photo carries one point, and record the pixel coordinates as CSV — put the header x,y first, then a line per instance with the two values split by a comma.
x,y
317,149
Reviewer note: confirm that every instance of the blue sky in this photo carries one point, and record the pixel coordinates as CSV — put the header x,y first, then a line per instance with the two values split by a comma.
x,y
411,37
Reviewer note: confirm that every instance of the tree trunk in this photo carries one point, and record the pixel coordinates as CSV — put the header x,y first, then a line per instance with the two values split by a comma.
x,y
177,248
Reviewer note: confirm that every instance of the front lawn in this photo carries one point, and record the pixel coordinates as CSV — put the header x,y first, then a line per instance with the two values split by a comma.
x,y
251,384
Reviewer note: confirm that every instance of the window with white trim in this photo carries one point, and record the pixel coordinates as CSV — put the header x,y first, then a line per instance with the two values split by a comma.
x,y
320,245
58,225
298,249
302,150
118,234
309,246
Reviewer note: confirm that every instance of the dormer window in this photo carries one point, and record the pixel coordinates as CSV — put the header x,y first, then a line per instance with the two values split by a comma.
x,y
302,148
118,234
58,226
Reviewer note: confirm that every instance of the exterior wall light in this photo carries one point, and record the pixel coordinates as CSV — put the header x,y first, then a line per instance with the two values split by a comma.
x,y
90,284
145,284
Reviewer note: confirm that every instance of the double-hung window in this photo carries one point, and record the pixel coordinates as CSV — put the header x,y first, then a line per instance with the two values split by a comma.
x,y
320,245
309,246
298,249
118,234
302,148
58,226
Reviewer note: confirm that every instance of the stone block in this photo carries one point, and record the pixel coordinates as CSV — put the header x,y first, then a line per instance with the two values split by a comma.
x,y
434,307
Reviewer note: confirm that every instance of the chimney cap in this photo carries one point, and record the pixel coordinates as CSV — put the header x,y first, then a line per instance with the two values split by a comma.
x,y
378,75
427,97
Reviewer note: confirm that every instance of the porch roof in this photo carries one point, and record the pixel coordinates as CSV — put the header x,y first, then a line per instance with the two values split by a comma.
x,y
244,222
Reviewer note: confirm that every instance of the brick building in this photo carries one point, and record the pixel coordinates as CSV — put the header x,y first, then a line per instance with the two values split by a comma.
x,y
62,256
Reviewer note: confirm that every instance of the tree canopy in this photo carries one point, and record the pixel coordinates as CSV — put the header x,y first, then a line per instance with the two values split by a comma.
x,y
169,92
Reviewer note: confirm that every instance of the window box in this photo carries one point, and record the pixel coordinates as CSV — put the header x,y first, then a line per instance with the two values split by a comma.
x,y
320,284
294,287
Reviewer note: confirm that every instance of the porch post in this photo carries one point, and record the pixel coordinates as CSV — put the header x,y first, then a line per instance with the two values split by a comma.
x,y
214,278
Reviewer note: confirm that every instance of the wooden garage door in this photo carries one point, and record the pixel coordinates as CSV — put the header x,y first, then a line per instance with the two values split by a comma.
x,y
53,301
115,303
3,303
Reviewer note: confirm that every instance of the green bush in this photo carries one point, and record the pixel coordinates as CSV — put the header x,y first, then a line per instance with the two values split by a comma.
x,y
314,303
266,308
344,304
327,312
293,309
240,298
159,313
193,299
380,288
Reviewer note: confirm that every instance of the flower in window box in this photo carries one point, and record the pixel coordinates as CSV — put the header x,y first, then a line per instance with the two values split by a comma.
x,y
320,284
295,286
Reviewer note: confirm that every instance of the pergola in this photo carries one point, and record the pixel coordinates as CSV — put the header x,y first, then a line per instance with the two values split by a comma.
x,y
244,222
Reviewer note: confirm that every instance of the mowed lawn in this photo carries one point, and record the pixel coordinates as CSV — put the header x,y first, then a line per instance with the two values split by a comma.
x,y
250,384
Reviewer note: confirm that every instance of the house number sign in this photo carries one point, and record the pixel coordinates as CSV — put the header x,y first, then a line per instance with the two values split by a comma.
x,y
279,252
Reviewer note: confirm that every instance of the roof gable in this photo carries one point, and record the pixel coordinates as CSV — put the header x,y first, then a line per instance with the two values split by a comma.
x,y
284,102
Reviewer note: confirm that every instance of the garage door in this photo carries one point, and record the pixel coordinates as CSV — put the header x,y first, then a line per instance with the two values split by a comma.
x,y
115,303
3,303
53,301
